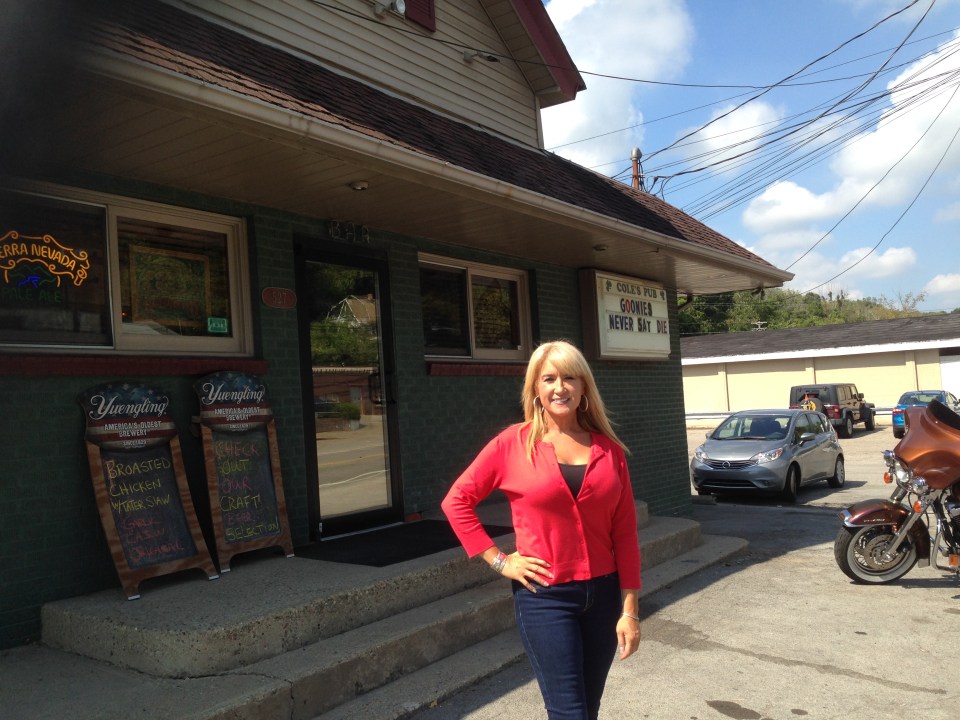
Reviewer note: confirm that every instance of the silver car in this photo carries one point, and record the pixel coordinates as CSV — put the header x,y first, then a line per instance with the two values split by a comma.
x,y
771,452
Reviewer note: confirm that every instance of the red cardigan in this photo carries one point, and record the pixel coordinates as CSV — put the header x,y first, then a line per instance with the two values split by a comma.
x,y
592,535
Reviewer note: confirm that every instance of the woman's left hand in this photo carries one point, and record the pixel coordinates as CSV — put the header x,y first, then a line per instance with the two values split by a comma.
x,y
628,636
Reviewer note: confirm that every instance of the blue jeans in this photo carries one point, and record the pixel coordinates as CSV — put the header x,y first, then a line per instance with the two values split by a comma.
x,y
570,634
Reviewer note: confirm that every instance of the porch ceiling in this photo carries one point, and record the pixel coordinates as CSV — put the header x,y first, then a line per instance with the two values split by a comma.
x,y
100,129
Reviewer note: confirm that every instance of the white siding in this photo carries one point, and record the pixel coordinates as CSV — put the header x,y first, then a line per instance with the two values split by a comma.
x,y
881,377
397,55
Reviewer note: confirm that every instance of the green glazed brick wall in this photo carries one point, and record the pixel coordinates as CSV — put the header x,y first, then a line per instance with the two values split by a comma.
x,y
445,421
52,545
51,542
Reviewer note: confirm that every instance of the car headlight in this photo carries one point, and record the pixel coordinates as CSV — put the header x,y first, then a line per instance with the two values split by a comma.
x,y
700,455
768,456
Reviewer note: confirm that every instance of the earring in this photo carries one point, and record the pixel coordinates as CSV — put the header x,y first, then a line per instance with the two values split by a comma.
x,y
584,399
537,405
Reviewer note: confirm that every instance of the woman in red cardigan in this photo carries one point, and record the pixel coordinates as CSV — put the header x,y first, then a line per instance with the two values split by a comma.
x,y
576,571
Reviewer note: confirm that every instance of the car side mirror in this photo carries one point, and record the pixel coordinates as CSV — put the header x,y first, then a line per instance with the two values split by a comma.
x,y
807,437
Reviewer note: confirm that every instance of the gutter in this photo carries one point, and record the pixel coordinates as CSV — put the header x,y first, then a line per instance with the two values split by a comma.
x,y
824,352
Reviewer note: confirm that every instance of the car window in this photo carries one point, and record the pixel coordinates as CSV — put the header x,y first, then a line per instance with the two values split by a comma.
x,y
751,426
776,427
731,428
814,423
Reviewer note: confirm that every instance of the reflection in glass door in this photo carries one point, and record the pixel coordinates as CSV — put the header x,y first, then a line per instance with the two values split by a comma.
x,y
351,418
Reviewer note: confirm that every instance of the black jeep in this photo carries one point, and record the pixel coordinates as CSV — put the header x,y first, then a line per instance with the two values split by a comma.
x,y
840,402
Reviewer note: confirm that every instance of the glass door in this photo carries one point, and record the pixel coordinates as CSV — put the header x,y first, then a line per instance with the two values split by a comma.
x,y
351,417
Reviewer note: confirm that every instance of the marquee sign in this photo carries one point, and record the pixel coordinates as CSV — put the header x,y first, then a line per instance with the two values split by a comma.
x,y
624,318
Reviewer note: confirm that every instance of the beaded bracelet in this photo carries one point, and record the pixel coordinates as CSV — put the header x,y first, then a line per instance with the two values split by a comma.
x,y
498,562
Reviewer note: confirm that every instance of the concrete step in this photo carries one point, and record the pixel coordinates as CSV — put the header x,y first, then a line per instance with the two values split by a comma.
x,y
435,683
184,627
663,538
324,675
187,627
379,670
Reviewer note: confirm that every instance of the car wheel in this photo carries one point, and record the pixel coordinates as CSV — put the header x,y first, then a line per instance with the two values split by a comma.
x,y
846,429
791,486
839,475
870,422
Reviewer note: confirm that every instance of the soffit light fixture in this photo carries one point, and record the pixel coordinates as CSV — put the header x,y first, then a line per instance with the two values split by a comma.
x,y
359,185
398,7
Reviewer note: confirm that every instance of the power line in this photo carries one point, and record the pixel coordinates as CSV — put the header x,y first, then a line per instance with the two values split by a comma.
x,y
915,197
645,123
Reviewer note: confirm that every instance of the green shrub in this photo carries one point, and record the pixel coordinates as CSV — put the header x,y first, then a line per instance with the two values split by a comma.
x,y
348,410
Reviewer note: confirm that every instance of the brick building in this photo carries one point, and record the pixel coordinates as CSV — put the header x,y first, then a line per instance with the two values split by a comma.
x,y
217,175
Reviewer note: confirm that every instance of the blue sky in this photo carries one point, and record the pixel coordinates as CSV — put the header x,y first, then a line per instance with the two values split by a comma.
x,y
847,174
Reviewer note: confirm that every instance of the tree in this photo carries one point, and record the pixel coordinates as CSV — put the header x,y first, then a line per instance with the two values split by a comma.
x,y
778,308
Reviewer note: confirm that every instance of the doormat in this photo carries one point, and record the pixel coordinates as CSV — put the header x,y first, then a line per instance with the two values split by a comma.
x,y
379,548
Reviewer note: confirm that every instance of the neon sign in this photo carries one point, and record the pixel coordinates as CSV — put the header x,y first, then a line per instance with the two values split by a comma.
x,y
20,256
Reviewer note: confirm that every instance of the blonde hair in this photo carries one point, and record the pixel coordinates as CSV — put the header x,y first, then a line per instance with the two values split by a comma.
x,y
569,361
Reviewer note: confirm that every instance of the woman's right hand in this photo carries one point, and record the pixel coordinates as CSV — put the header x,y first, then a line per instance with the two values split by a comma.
x,y
527,570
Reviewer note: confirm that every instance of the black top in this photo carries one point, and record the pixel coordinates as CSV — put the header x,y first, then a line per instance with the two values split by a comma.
x,y
573,474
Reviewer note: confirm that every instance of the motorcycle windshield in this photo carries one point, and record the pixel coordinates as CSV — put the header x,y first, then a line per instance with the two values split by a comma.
x,y
931,445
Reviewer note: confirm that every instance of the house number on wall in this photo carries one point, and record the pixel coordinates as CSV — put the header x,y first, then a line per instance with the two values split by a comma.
x,y
350,232
277,297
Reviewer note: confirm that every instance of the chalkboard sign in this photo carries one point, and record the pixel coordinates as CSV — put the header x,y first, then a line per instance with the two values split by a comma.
x,y
140,485
243,466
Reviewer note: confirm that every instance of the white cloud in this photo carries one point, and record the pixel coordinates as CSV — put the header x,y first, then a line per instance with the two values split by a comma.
x,y
875,265
948,213
907,143
732,132
621,38
942,284
784,207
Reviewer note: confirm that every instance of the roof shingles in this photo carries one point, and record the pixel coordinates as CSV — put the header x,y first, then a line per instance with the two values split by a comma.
x,y
925,328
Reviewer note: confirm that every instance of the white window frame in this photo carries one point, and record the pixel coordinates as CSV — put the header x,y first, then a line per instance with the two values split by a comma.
x,y
523,310
240,343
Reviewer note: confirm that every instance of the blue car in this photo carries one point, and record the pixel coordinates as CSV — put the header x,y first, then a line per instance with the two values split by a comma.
x,y
919,397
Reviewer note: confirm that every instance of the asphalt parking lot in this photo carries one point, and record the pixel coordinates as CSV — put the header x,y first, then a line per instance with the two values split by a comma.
x,y
777,632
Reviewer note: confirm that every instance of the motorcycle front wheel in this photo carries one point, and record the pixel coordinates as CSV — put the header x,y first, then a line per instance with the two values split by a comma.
x,y
860,554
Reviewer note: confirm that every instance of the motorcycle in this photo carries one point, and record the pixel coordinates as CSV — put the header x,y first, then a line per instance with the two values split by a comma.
x,y
881,540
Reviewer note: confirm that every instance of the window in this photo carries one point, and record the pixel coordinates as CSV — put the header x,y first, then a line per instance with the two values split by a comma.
x,y
103,272
474,311
53,260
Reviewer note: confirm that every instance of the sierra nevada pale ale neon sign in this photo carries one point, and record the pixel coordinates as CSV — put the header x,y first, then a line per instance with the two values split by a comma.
x,y
45,250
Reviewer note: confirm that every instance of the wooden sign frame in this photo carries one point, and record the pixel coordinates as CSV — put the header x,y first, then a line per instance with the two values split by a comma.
x,y
149,443
235,415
